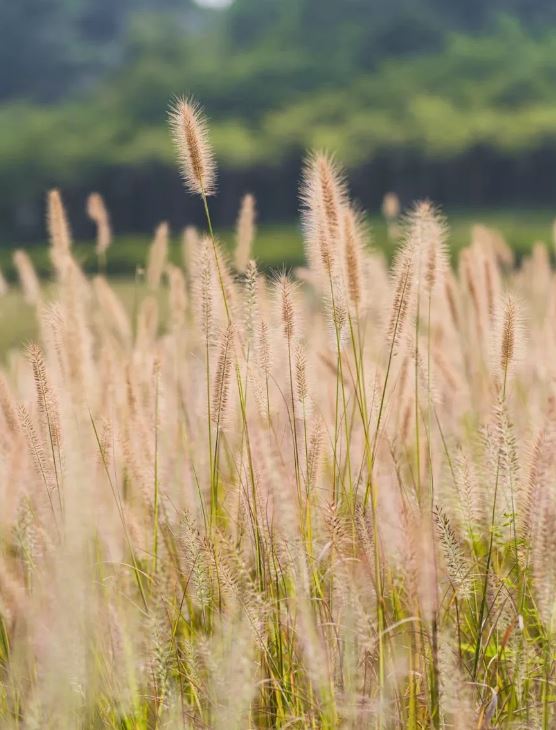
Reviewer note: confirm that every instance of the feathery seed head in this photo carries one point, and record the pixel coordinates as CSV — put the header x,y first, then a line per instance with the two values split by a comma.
x,y
353,254
45,395
285,289
58,227
221,384
264,360
189,249
96,210
204,287
189,131
27,277
301,373
403,275
510,333
178,295
426,233
323,197
422,256
245,232
390,206
158,253
251,304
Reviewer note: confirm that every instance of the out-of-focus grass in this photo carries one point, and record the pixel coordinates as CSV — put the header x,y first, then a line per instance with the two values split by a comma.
x,y
278,246
18,323
275,247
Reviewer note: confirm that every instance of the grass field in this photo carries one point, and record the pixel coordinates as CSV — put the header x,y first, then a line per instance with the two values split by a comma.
x,y
276,247
261,598
231,501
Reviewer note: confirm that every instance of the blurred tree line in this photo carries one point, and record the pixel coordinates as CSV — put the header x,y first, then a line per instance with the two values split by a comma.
x,y
450,98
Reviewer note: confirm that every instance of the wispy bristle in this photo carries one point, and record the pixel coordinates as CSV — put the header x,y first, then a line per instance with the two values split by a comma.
x,y
510,334
189,130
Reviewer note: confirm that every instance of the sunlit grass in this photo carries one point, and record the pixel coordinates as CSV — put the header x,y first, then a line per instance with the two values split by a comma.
x,y
233,500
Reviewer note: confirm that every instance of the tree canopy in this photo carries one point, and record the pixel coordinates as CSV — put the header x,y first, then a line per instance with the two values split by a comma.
x,y
85,84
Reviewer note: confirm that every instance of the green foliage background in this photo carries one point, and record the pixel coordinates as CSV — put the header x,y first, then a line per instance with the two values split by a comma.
x,y
84,84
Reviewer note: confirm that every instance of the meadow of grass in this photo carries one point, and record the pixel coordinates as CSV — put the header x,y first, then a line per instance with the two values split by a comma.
x,y
275,248
235,501
278,246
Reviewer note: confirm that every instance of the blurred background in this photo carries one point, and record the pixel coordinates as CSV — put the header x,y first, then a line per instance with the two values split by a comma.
x,y
451,99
